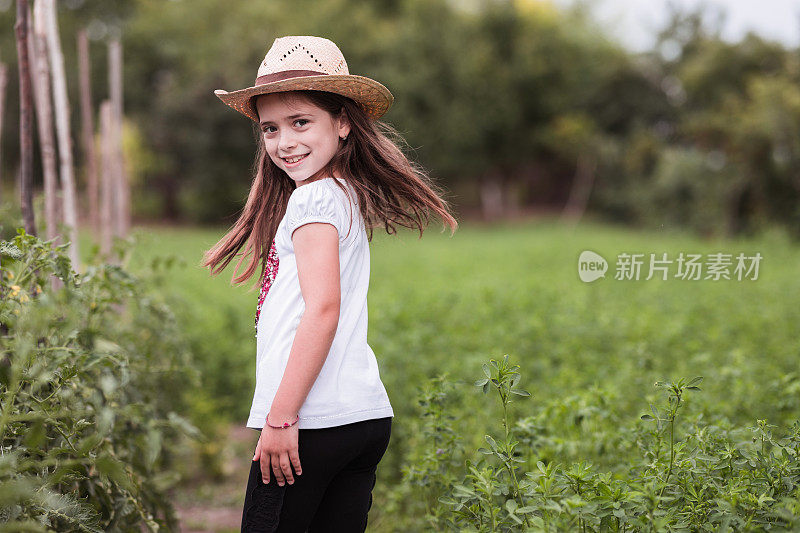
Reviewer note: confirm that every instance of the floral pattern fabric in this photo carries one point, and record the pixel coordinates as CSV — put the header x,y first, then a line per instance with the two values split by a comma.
x,y
269,277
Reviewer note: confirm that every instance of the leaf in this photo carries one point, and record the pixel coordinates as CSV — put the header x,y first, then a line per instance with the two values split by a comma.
x,y
511,505
35,436
461,490
105,421
108,384
17,526
15,491
9,249
189,429
113,470
152,447
88,443
67,506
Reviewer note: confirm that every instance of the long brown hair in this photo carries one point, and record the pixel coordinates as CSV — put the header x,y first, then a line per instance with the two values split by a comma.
x,y
391,189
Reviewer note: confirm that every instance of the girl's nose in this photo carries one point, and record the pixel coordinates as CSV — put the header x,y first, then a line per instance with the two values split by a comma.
x,y
287,142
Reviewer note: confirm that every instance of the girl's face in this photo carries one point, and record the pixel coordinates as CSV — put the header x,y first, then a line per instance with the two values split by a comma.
x,y
293,127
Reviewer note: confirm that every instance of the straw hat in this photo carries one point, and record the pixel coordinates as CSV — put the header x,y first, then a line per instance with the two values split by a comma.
x,y
300,62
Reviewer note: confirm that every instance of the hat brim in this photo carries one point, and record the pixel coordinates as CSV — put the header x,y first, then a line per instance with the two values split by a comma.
x,y
370,94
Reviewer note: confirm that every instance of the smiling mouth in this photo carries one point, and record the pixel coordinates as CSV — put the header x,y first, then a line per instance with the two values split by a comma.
x,y
293,160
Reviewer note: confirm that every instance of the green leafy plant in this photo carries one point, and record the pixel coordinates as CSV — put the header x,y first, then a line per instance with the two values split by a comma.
x,y
691,476
90,381
475,498
430,469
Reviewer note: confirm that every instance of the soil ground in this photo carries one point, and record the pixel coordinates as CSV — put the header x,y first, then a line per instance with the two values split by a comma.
x,y
217,507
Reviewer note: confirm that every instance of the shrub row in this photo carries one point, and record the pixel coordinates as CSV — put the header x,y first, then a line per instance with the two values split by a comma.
x,y
92,374
690,474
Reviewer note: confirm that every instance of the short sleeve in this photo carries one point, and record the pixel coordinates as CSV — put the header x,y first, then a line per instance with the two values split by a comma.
x,y
313,202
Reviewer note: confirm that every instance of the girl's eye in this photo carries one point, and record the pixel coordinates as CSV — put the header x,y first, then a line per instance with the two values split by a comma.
x,y
266,129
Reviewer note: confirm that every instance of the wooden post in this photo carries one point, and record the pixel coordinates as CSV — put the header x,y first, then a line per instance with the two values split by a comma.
x,y
63,130
37,43
3,85
121,200
491,194
25,119
581,188
87,131
106,181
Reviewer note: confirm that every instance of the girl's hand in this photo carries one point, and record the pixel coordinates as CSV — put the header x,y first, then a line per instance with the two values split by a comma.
x,y
277,449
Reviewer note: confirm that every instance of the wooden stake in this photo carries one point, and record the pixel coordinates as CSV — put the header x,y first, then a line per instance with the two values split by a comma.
x,y
107,185
44,113
63,130
87,131
3,85
121,193
581,188
25,119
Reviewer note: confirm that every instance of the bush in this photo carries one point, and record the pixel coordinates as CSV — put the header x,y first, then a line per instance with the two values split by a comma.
x,y
687,476
92,369
689,189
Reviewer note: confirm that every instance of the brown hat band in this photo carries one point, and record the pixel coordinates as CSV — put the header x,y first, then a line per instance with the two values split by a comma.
x,y
286,74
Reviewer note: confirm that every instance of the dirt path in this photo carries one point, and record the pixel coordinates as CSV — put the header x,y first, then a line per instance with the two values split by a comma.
x,y
217,507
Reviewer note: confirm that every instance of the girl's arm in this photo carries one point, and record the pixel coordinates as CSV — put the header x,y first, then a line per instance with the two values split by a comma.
x,y
316,248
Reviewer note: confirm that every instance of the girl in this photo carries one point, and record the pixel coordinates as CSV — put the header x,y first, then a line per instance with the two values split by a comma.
x,y
325,172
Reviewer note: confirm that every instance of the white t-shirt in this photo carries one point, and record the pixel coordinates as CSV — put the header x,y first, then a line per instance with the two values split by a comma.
x,y
348,388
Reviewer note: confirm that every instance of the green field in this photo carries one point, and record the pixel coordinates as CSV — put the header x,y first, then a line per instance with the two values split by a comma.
x,y
589,352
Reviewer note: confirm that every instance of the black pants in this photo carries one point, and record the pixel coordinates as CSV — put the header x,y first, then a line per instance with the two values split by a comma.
x,y
334,492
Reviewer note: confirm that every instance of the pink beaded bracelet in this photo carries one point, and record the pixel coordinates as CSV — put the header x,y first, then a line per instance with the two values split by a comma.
x,y
285,424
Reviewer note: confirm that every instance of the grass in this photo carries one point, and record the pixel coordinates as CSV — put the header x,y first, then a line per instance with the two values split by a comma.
x,y
448,304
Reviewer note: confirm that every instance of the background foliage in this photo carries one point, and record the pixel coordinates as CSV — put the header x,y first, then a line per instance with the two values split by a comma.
x,y
92,381
515,93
